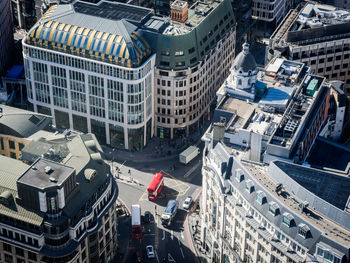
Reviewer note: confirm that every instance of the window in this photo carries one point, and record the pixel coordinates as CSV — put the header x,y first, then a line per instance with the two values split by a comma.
x,y
179,53
12,144
260,197
288,219
249,187
303,230
273,208
13,155
21,146
2,143
239,175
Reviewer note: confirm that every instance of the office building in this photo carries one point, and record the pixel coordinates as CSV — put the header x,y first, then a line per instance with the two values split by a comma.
x,y
281,212
58,203
25,13
269,11
317,35
104,74
93,72
17,128
193,60
6,33
276,112
258,203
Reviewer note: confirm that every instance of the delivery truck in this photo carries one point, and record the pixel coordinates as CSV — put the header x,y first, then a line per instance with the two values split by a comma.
x,y
189,154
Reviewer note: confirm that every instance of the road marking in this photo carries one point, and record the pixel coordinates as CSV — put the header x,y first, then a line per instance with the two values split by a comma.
x,y
163,235
192,169
149,234
182,253
178,241
155,252
182,234
172,235
170,258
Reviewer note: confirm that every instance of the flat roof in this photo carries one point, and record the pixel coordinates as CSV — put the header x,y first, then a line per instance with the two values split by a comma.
x,y
113,10
37,177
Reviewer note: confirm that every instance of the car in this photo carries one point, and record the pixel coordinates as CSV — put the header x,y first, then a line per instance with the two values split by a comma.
x,y
139,256
150,251
186,205
147,217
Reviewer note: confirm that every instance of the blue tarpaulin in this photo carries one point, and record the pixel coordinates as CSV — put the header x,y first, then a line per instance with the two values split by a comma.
x,y
16,72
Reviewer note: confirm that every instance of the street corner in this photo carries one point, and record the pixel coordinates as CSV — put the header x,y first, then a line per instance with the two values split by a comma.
x,y
174,187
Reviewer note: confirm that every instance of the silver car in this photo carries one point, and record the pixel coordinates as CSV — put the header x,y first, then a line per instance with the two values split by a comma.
x,y
186,205
150,251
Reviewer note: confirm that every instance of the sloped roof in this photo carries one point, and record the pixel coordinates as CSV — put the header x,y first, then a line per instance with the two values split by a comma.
x,y
92,31
21,123
245,61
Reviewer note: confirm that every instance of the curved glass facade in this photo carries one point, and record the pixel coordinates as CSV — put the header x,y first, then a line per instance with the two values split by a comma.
x,y
115,103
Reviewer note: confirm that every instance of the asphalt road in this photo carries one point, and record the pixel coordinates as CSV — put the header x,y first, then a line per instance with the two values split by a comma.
x,y
172,243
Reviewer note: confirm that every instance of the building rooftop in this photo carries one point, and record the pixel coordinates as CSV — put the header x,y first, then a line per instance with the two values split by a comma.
x,y
106,31
298,111
81,153
196,14
21,123
179,4
313,23
337,158
10,171
307,205
333,229
45,173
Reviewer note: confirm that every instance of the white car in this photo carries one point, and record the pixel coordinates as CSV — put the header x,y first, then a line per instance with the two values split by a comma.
x,y
186,205
150,251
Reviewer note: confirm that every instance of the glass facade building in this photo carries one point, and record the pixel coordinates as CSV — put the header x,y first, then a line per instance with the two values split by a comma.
x,y
106,89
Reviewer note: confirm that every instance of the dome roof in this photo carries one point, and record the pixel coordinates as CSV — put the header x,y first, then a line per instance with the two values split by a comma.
x,y
245,60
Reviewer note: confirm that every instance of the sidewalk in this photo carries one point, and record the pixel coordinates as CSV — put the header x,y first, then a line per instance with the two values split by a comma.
x,y
157,149
194,226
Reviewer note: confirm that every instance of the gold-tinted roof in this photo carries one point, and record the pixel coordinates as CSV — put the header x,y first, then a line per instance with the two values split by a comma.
x,y
90,43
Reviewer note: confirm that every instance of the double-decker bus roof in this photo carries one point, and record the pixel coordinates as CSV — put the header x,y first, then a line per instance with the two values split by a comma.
x,y
135,215
155,181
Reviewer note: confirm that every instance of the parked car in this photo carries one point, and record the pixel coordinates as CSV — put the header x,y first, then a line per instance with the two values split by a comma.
x,y
188,201
150,251
147,217
139,256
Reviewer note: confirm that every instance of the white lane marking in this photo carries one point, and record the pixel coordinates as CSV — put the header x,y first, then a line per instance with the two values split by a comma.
x,y
156,255
182,253
182,234
170,258
163,235
178,240
149,234
172,235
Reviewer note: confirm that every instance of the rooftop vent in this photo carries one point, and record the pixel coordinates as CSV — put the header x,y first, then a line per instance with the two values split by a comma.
x,y
52,179
6,198
48,170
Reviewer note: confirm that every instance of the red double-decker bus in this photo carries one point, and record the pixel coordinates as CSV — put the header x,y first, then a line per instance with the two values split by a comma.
x,y
136,231
155,186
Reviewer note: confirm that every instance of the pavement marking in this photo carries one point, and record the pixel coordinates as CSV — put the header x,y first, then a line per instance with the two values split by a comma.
x,y
178,241
149,234
188,236
182,253
182,234
170,258
174,184
189,172
163,235
155,252
172,235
